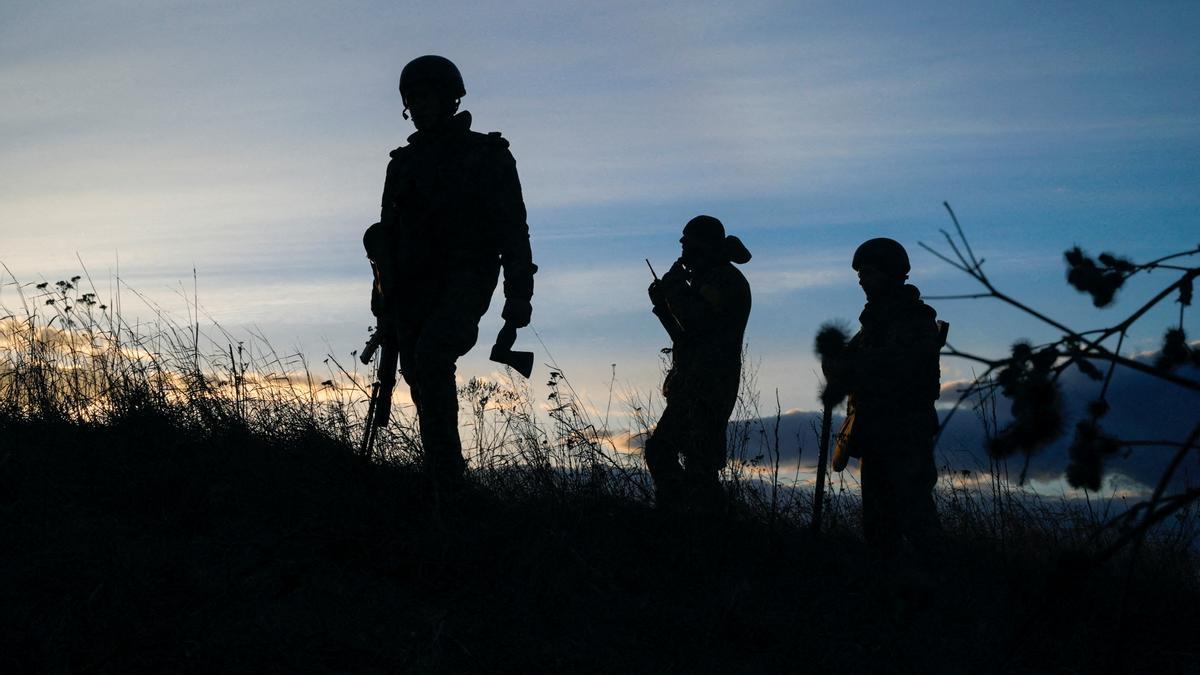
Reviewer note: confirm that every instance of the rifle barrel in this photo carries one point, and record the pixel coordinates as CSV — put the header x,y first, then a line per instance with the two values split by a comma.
x,y
368,439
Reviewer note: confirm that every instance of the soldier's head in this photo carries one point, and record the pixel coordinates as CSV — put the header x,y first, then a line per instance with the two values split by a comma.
x,y
705,244
431,88
882,265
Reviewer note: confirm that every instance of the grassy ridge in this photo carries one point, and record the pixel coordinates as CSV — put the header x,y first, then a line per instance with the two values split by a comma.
x,y
146,544
170,507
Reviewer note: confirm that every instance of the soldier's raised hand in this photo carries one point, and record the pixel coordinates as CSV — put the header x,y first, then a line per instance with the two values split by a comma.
x,y
678,274
655,291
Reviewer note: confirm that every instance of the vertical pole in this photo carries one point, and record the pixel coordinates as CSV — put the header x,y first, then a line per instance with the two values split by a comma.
x,y
822,462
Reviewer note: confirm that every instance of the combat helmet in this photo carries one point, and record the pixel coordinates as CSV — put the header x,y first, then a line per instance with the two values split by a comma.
x,y
887,255
710,233
431,69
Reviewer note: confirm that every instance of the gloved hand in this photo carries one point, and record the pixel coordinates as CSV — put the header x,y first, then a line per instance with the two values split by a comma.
x,y
657,296
517,312
678,274
675,278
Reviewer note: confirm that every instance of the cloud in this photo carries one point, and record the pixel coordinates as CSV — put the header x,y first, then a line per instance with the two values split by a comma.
x,y
952,389
250,140
593,291
774,272
272,110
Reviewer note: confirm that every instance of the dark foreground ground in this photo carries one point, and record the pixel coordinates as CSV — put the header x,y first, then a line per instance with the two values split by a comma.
x,y
140,548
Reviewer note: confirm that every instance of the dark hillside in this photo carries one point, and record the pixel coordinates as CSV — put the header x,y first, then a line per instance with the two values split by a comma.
x,y
147,545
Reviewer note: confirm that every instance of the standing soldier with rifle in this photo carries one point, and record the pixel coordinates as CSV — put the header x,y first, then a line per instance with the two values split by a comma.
x,y
452,217
703,302
890,370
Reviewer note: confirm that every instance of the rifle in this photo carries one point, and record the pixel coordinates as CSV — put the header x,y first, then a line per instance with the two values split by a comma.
x,y
377,241
379,411
368,439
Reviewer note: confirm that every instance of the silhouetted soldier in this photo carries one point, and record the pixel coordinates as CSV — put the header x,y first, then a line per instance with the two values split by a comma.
x,y
703,302
890,369
452,217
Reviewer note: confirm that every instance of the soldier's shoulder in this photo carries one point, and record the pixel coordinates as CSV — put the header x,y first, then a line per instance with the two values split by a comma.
x,y
491,150
408,157
733,276
923,311
912,306
726,285
919,318
491,139
492,144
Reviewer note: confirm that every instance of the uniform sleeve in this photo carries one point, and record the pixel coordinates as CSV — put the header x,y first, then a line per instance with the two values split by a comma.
x,y
699,309
389,206
375,239
507,213
663,312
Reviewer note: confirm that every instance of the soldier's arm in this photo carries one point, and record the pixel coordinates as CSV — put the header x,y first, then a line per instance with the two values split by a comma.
x,y
671,285
668,321
697,308
507,213
389,206
375,239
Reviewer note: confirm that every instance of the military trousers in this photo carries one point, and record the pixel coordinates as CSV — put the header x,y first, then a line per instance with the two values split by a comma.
x,y
441,325
898,476
692,428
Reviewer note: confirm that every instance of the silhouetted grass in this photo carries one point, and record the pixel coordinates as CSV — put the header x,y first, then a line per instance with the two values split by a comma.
x,y
170,507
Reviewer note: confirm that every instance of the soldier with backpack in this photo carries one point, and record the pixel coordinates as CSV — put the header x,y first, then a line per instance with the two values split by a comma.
x,y
890,370
452,218
703,302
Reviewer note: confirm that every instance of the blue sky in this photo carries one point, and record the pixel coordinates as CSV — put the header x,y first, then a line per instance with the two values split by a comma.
x,y
249,140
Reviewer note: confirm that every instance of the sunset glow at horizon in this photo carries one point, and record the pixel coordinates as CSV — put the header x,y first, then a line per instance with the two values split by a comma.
x,y
246,145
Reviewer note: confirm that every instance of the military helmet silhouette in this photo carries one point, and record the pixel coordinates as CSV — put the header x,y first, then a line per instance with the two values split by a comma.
x,y
705,228
432,69
711,232
885,254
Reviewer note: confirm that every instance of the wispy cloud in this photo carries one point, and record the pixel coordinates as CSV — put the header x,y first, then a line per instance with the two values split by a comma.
x,y
775,273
